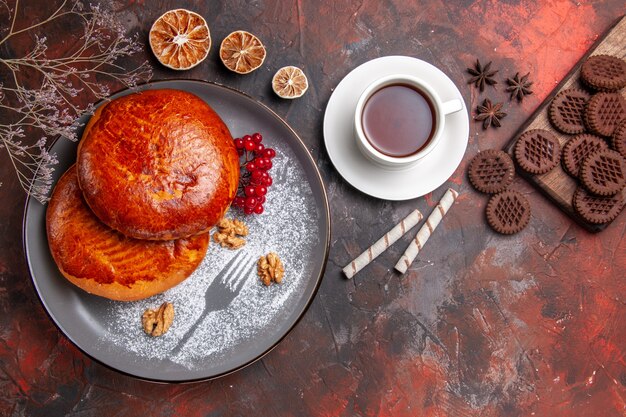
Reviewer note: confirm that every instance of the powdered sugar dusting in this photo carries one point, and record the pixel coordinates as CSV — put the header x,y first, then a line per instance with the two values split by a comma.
x,y
288,227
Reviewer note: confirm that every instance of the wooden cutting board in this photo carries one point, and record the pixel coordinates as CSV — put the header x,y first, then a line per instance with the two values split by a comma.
x,y
557,185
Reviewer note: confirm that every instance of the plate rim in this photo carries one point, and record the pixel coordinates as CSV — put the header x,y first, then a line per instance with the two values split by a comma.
x,y
306,306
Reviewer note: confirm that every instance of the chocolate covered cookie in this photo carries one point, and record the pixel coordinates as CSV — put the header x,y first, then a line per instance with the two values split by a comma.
x,y
604,73
604,172
597,209
537,151
577,149
567,111
508,212
618,141
604,112
491,171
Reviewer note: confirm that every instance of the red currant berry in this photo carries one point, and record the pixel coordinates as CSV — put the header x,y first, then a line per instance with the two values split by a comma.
x,y
268,164
260,163
246,138
269,153
251,202
250,191
259,149
256,177
258,209
261,200
238,202
248,210
268,181
238,143
251,167
260,190
249,145
257,138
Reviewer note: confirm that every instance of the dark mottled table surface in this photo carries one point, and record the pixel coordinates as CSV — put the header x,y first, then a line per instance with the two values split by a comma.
x,y
482,325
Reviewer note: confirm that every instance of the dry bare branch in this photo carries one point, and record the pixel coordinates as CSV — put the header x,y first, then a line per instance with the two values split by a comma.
x,y
43,94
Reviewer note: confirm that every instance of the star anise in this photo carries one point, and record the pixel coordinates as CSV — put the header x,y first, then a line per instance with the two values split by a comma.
x,y
482,75
519,87
490,114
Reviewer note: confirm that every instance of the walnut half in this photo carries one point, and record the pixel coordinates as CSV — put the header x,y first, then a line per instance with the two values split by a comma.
x,y
157,322
229,232
270,269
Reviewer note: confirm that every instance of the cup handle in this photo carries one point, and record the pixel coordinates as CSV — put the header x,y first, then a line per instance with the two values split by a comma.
x,y
452,106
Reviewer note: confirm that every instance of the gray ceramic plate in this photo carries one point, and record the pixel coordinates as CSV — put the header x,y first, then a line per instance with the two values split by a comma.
x,y
205,341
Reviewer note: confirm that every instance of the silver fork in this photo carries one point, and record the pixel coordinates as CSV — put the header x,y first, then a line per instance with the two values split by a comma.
x,y
222,291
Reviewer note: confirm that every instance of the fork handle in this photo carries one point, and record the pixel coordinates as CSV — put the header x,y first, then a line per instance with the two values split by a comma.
x,y
190,332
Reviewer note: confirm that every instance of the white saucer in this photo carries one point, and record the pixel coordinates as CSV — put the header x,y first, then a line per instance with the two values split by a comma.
x,y
373,179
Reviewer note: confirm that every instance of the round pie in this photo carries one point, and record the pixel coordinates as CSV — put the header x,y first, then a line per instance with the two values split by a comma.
x,y
159,164
104,262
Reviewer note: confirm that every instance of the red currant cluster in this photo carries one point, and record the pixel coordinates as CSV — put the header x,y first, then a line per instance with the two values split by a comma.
x,y
255,161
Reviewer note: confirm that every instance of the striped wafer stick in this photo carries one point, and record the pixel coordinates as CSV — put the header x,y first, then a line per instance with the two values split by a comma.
x,y
427,229
383,243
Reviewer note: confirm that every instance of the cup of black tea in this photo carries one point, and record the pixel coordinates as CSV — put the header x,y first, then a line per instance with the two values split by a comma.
x,y
400,119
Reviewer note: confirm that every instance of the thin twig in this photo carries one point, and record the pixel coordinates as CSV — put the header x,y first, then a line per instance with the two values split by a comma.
x,y
48,104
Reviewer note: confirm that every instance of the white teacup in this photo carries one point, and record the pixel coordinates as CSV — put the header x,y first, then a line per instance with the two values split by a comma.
x,y
438,109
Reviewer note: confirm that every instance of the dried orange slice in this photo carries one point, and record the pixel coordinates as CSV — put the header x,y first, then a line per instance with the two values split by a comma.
x,y
290,82
180,39
242,52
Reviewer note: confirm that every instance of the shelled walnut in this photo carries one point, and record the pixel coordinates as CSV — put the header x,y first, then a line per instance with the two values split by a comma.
x,y
229,233
270,269
157,322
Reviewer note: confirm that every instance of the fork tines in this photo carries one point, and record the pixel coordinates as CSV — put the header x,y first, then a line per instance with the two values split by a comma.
x,y
237,270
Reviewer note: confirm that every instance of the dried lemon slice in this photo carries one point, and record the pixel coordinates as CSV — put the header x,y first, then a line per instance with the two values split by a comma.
x,y
180,39
242,52
290,82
